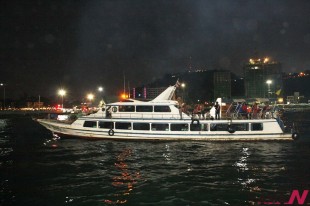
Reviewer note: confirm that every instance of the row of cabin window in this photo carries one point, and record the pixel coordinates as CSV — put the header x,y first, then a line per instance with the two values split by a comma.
x,y
128,108
173,127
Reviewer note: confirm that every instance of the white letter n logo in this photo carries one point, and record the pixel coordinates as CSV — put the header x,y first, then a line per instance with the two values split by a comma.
x,y
300,200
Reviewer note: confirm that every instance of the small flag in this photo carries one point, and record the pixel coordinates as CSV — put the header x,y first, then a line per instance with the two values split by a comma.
x,y
278,92
177,84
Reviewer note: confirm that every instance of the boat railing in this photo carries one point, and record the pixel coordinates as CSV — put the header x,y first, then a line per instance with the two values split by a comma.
x,y
147,116
233,113
260,115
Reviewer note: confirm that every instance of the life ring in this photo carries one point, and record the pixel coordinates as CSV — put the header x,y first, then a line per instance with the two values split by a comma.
x,y
230,129
195,120
111,132
114,109
295,136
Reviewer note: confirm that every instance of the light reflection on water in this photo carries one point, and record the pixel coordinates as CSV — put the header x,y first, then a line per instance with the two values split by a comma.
x,y
125,181
3,124
40,169
241,164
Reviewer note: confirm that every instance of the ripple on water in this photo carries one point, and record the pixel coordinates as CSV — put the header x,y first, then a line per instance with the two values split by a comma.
x,y
83,172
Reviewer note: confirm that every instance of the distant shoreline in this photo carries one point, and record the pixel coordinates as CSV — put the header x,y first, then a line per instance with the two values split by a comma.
x,y
23,112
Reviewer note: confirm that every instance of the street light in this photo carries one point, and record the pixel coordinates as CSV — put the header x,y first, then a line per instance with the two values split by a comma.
x,y
183,85
3,85
100,89
90,97
101,103
268,82
62,93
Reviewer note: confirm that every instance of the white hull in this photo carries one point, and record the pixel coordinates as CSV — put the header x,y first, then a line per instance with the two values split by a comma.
x,y
99,133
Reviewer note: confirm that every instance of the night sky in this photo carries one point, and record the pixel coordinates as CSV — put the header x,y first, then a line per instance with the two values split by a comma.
x,y
80,45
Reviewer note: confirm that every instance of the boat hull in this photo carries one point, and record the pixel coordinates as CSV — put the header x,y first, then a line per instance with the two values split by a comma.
x,y
67,130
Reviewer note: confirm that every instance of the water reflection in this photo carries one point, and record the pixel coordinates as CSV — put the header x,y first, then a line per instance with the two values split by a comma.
x,y
52,143
125,181
6,148
83,172
241,164
243,169
167,154
3,124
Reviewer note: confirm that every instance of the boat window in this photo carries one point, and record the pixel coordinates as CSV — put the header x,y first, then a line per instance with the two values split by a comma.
x,y
204,127
162,109
179,127
240,127
160,127
141,126
90,124
126,108
257,126
218,127
122,125
144,108
106,125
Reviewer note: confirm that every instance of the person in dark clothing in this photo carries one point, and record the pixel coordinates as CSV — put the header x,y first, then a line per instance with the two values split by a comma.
x,y
217,110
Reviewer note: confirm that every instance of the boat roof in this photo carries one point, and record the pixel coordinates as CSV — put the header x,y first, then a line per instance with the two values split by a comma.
x,y
165,95
165,98
150,103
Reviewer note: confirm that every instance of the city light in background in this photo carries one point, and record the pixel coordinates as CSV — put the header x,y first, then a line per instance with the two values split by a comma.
x,y
250,30
269,82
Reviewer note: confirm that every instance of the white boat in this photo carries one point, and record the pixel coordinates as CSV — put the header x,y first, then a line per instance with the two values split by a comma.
x,y
160,119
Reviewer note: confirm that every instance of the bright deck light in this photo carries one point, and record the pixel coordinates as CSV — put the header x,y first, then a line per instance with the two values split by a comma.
x,y
90,97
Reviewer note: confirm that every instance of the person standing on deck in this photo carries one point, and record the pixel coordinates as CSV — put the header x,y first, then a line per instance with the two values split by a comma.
x,y
181,110
249,112
217,110
255,111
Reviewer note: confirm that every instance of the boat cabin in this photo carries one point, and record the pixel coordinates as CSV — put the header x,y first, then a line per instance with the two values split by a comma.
x,y
142,110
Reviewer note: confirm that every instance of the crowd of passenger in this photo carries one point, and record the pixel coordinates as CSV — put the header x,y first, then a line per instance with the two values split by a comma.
x,y
240,110
254,111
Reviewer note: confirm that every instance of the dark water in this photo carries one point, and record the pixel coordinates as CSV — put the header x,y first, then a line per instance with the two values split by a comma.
x,y
39,169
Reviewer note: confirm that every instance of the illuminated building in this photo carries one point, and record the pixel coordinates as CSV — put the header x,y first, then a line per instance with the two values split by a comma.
x,y
146,92
151,93
262,78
